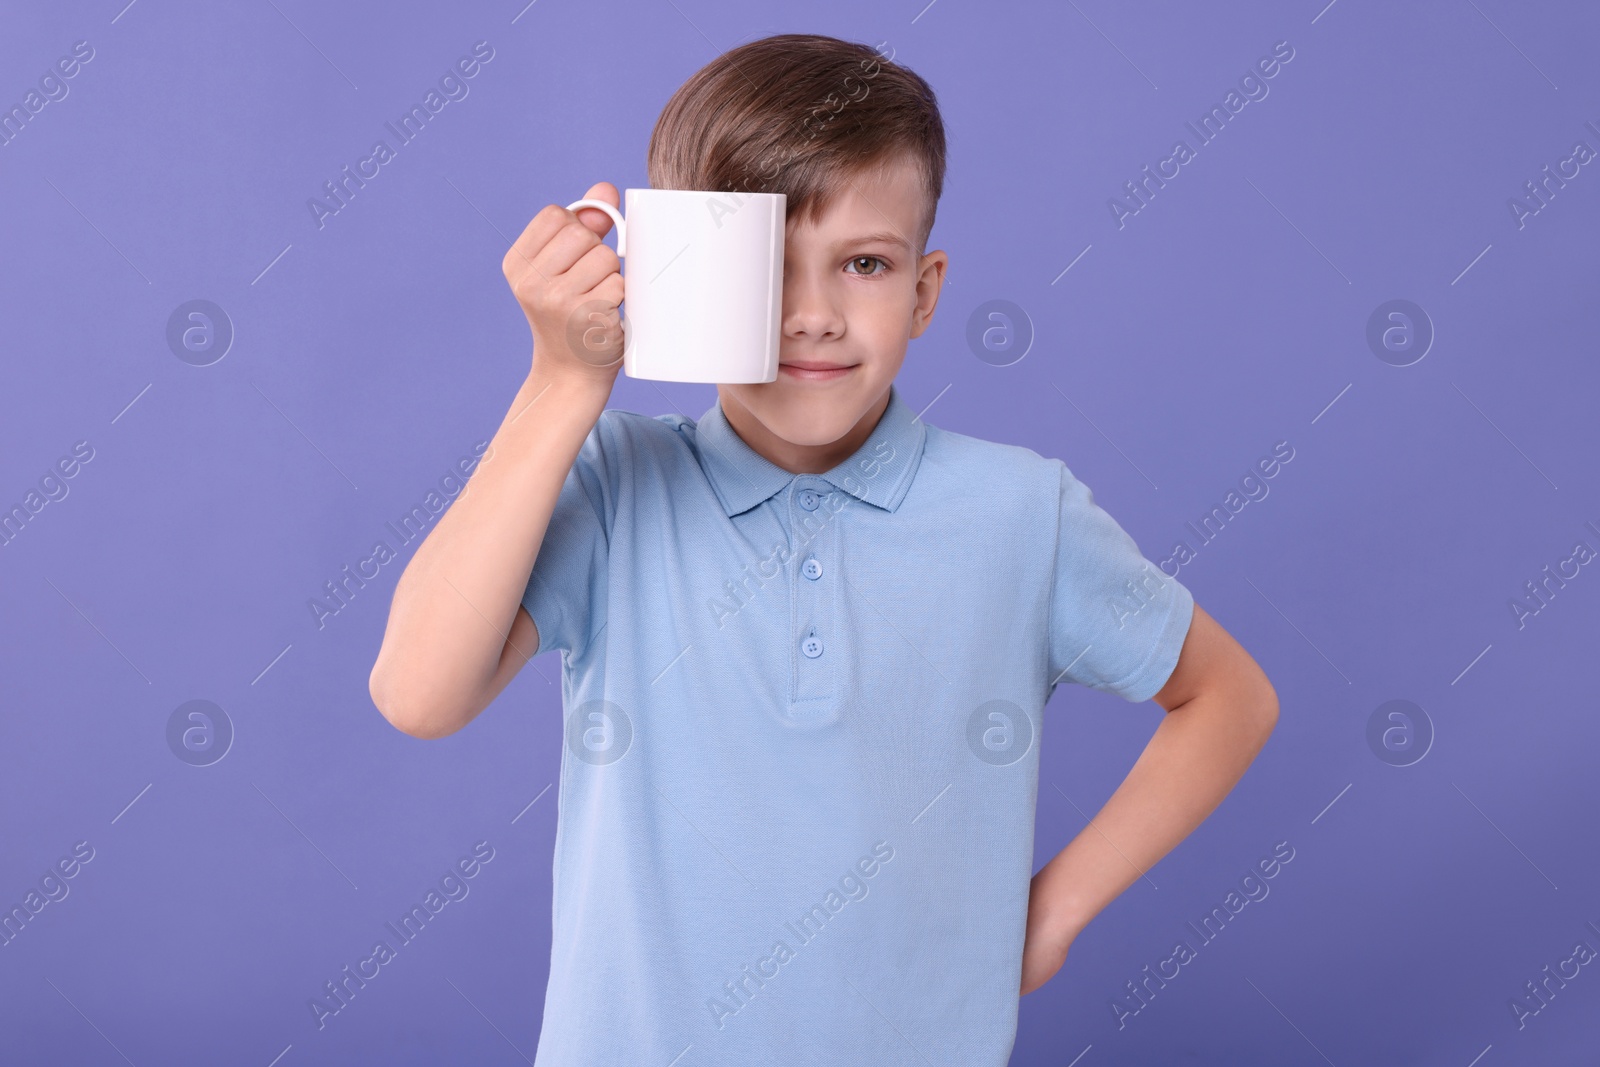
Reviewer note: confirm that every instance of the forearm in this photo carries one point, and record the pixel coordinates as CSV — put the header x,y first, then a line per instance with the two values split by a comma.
x,y
1198,753
453,606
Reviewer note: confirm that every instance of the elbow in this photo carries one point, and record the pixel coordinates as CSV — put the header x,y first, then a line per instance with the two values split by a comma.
x,y
419,718
1266,705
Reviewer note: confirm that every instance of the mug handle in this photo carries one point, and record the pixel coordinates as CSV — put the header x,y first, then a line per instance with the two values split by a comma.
x,y
616,217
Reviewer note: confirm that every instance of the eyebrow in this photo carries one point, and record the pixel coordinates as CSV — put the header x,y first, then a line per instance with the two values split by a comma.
x,y
881,237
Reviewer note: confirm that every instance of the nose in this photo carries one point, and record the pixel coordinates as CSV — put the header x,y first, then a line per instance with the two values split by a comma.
x,y
810,311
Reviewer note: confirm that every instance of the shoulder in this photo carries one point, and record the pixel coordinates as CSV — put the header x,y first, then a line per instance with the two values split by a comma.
x,y
990,466
633,437
620,421
626,454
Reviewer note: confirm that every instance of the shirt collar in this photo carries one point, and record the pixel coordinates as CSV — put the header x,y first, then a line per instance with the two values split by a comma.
x,y
879,472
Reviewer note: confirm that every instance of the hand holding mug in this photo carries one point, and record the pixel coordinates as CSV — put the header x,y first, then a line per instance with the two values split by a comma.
x,y
569,284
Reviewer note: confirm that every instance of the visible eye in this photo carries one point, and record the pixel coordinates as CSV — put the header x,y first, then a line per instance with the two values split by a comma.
x,y
859,260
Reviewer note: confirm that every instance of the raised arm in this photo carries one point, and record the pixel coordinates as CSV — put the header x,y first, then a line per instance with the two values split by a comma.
x,y
457,632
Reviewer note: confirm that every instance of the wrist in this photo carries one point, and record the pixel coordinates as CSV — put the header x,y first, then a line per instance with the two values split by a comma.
x,y
1060,913
578,358
580,386
1061,927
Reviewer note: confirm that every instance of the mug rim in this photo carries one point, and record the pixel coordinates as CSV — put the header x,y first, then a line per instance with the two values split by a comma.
x,y
700,192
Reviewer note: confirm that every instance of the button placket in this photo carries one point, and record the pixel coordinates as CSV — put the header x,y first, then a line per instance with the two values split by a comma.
x,y
814,513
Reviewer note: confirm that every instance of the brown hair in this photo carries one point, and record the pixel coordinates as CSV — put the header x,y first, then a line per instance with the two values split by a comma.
x,y
799,114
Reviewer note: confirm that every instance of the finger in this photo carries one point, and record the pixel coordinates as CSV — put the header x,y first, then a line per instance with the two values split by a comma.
x,y
553,217
543,226
593,267
565,248
593,217
609,292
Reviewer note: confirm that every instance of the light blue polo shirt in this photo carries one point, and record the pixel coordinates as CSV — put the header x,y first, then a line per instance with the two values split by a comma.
x,y
803,717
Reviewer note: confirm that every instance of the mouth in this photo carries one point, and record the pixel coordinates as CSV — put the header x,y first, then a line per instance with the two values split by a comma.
x,y
815,370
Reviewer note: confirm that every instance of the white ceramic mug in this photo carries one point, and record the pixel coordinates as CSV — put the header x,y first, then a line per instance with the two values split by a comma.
x,y
703,288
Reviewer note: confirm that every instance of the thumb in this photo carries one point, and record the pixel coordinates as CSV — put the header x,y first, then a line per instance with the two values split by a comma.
x,y
594,218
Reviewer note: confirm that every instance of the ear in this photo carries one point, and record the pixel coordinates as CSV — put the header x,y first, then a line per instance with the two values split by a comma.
x,y
930,283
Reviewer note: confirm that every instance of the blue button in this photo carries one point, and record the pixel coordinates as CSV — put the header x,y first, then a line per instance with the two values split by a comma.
x,y
809,499
812,645
811,568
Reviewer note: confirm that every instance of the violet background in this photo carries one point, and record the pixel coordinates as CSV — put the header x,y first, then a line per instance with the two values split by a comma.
x,y
1228,315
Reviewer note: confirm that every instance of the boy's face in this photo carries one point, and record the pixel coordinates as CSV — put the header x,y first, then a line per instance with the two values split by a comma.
x,y
855,292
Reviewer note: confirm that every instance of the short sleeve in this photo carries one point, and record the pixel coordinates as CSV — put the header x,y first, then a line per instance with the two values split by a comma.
x,y
565,594
1117,622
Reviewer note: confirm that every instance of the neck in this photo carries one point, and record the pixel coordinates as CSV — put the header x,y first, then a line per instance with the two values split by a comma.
x,y
797,458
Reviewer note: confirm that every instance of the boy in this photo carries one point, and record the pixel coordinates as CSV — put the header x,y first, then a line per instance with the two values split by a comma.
x,y
806,639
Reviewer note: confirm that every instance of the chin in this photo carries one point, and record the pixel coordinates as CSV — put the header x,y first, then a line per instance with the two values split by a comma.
x,y
811,432
808,418
810,424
